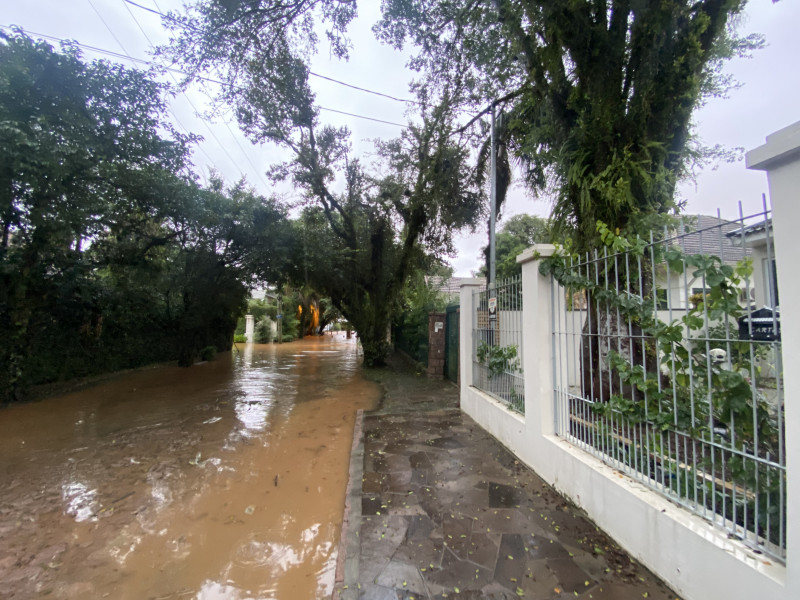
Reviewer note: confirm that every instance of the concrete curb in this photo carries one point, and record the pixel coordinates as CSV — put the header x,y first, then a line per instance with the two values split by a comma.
x,y
349,544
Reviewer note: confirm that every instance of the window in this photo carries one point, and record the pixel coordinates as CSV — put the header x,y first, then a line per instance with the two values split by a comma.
x,y
770,283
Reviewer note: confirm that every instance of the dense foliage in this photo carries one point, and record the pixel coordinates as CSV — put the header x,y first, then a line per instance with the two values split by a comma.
x,y
366,228
111,255
421,297
516,234
597,95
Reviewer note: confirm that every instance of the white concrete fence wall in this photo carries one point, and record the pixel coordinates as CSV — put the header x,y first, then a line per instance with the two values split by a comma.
x,y
696,559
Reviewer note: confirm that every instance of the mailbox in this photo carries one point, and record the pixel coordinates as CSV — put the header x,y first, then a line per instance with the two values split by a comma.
x,y
762,325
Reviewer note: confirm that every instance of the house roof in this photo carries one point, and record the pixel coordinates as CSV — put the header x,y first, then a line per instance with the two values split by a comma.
x,y
705,234
754,233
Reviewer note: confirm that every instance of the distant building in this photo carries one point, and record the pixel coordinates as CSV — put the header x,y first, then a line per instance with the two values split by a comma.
x,y
757,240
698,234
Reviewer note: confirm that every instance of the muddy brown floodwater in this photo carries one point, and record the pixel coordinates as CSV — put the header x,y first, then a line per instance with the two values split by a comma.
x,y
223,481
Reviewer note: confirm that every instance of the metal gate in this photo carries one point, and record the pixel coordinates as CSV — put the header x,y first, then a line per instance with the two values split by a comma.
x,y
451,343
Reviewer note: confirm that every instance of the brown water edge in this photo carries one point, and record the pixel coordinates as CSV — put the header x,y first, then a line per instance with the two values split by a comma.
x,y
225,480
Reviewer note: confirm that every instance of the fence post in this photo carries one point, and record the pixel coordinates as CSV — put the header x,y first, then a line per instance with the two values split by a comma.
x,y
466,324
537,356
250,328
780,158
436,345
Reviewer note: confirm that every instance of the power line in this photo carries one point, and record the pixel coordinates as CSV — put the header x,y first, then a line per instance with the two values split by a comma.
x,y
235,139
319,75
197,112
107,27
341,112
127,54
153,64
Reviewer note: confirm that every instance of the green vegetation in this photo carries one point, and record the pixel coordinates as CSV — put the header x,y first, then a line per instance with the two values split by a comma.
x,y
420,298
596,96
516,234
498,359
370,237
111,255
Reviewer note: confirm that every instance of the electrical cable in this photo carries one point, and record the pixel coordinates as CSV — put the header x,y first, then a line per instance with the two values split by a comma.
x,y
149,63
312,73
197,112
127,54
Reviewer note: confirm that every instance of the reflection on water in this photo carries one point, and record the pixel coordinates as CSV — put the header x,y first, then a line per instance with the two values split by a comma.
x,y
224,481
79,500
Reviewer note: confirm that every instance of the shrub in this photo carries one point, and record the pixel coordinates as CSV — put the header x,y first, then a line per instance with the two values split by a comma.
x,y
263,331
240,338
208,353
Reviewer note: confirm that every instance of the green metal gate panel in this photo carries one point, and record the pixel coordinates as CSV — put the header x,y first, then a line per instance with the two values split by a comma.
x,y
451,343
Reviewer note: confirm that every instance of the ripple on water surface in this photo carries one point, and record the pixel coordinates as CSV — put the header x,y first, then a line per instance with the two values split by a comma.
x,y
225,480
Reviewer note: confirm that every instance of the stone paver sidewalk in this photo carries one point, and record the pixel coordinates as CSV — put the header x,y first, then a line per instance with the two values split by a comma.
x,y
444,511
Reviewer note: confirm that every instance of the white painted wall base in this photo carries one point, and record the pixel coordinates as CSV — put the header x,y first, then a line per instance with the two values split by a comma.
x,y
698,561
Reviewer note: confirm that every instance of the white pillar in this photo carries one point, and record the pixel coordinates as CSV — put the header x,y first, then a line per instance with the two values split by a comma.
x,y
780,158
537,366
466,324
249,328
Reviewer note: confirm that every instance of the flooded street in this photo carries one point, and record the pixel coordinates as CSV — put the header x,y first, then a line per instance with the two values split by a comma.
x,y
223,481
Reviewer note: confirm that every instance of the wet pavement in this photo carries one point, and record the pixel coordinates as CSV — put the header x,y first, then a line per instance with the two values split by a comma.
x,y
439,509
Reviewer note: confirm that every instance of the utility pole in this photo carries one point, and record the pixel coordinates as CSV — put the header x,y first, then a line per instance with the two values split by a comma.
x,y
492,203
492,224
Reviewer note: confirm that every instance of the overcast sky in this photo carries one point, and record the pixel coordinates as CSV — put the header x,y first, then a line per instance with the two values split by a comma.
x,y
766,102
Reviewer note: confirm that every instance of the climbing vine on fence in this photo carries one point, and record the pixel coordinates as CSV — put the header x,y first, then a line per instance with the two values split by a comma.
x,y
685,384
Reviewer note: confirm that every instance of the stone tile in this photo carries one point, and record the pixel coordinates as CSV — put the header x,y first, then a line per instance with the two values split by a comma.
x,y
370,567
511,561
463,483
389,463
370,591
447,442
372,482
405,504
503,520
380,537
420,460
397,482
420,528
371,504
457,573
482,550
570,576
539,581
456,531
504,496
541,547
594,566
422,477
423,553
401,576
406,595
618,590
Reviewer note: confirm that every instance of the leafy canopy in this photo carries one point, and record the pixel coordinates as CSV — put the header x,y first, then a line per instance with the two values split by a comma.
x,y
598,94
365,227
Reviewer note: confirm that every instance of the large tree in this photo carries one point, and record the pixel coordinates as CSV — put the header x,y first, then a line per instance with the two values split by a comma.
x,y
597,95
371,224
596,100
111,255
